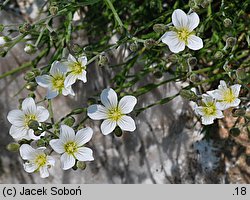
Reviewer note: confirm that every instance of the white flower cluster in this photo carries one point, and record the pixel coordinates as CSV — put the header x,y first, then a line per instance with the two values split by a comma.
x,y
27,122
214,102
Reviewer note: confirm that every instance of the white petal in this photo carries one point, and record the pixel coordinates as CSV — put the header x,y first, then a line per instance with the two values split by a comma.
x,y
29,106
207,98
222,105
219,114
42,114
97,112
235,103
212,93
83,76
16,117
50,161
236,89
179,18
207,120
18,133
83,60
194,42
126,123
44,80
107,126
32,136
127,104
83,136
57,145
51,94
44,173
67,161
58,68
27,152
109,98
70,80
29,167
84,154
71,58
178,47
199,110
67,134
170,38
193,21
67,91
223,84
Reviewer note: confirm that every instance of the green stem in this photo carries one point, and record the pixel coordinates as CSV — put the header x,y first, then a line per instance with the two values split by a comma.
x,y
117,18
51,111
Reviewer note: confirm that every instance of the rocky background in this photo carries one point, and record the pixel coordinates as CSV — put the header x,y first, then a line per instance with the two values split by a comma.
x,y
167,146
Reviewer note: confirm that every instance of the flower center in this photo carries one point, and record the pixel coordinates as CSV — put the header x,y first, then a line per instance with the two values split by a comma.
x,y
209,110
77,68
228,96
115,114
28,118
58,82
183,34
41,160
70,147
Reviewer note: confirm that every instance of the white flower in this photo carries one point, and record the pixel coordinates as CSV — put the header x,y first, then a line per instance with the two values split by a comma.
x,y
226,96
76,69
55,81
208,110
37,160
183,33
70,145
113,112
20,119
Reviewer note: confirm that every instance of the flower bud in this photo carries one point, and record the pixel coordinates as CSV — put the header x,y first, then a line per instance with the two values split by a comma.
x,y
227,22
14,147
241,74
159,28
235,131
231,41
29,76
30,49
158,74
118,131
218,55
32,95
31,86
38,132
1,27
53,10
36,71
103,61
81,165
41,143
25,28
33,124
194,78
188,94
149,43
69,121
192,61
133,47
239,112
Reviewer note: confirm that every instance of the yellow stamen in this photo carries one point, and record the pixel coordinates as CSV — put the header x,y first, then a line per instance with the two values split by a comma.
x,y
77,68
115,114
209,109
228,96
28,118
183,34
58,82
41,160
70,147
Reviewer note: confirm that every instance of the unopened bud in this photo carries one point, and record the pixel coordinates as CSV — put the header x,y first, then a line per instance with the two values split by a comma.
x,y
133,47
103,61
188,94
41,143
14,147
235,131
53,10
241,74
69,121
159,28
38,132
227,22
218,55
33,124
29,76
239,112
31,86
30,49
36,71
194,78
231,41
81,165
25,28
118,131
32,95
192,61
149,43
173,58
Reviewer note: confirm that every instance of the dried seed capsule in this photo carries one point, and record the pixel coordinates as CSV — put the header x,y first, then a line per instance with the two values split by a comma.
x,y
227,22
